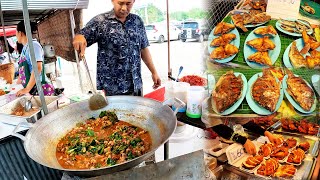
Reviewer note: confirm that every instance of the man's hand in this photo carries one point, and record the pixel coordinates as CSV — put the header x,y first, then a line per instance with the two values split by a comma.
x,y
22,92
250,147
273,139
80,44
156,81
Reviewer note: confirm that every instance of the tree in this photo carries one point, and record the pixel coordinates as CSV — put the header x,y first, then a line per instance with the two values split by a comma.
x,y
153,15
195,13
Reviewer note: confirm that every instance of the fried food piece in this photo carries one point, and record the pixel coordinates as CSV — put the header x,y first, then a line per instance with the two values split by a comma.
x,y
227,91
269,30
223,52
261,58
223,28
261,44
290,143
297,60
223,40
307,8
304,146
252,162
266,91
261,18
239,22
18,110
313,60
269,167
307,39
2,92
285,171
280,153
296,156
247,18
300,91
265,150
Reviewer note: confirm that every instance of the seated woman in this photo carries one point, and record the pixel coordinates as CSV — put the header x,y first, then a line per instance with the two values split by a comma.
x,y
26,73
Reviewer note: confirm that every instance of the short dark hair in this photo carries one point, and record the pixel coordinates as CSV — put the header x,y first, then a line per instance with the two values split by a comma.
x,y
21,28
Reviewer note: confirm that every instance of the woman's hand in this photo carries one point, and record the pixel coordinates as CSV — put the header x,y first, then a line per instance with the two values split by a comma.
x,y
273,139
250,147
22,92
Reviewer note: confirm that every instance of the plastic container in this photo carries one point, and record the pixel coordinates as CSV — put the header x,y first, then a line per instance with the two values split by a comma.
x,y
179,90
196,95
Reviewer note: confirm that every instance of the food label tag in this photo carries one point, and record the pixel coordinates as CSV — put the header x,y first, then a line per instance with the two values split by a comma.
x,y
234,153
283,8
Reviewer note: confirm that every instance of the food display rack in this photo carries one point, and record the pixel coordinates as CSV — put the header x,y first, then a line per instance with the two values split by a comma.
x,y
244,109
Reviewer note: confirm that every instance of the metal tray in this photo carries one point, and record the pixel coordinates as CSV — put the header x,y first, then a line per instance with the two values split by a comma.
x,y
35,113
305,170
314,141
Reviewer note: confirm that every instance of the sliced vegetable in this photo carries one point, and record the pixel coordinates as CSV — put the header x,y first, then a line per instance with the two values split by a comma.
x,y
90,132
111,162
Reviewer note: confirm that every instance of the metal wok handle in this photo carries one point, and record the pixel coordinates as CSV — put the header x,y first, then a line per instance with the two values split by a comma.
x,y
16,129
176,102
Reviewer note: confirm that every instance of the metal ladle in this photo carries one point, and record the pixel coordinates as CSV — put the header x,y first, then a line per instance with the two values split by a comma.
x,y
28,105
96,101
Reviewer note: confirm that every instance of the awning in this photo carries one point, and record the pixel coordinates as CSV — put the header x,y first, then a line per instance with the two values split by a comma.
x,y
38,9
8,5
10,31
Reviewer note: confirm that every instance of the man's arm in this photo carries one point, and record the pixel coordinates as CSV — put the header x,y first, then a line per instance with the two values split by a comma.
x,y
147,59
87,36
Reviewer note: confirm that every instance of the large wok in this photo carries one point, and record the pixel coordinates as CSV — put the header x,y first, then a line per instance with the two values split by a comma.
x,y
41,140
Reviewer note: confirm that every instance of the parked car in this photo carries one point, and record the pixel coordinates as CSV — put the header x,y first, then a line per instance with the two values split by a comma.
x,y
194,30
158,32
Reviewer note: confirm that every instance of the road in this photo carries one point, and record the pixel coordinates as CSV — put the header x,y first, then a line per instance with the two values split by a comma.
x,y
187,54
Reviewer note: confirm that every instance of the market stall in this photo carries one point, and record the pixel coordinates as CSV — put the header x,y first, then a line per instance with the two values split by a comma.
x,y
27,157
254,51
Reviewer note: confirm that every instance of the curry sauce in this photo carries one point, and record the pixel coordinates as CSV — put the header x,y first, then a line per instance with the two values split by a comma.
x,y
101,142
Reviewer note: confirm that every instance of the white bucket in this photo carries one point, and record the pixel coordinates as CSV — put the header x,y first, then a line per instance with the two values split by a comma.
x,y
196,95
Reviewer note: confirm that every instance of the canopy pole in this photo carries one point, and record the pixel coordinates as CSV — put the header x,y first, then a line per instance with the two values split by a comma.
x,y
4,33
75,51
168,35
32,55
166,144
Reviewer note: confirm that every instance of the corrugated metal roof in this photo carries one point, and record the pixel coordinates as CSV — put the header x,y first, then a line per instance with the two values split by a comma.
x,y
8,5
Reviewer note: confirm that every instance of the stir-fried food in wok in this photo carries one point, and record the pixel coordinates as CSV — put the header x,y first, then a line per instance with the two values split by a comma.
x,y
268,30
100,142
300,91
223,52
227,91
223,40
223,28
266,91
261,58
261,44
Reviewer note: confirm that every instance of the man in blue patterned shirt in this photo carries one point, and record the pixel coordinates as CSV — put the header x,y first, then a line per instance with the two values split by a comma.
x,y
122,43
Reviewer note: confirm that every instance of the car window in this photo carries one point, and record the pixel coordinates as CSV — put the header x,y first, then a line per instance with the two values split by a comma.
x,y
149,27
193,25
